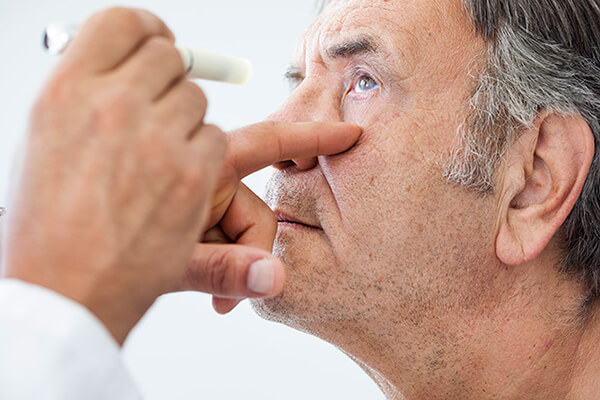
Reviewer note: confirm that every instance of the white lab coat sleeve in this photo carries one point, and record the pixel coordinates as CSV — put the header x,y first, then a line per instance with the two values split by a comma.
x,y
52,348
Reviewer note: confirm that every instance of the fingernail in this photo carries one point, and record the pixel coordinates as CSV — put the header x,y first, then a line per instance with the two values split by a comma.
x,y
261,276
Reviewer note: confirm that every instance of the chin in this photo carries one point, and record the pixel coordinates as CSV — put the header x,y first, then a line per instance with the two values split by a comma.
x,y
315,296
287,310
293,306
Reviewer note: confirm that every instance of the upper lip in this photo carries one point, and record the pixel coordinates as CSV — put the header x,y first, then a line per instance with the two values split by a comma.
x,y
285,217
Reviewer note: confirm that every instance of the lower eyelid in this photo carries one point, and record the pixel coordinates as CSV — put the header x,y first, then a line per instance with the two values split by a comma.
x,y
364,96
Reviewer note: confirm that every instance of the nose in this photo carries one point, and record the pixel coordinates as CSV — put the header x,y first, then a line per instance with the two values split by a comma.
x,y
309,102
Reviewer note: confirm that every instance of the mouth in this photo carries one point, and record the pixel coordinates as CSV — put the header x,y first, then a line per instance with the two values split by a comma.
x,y
288,221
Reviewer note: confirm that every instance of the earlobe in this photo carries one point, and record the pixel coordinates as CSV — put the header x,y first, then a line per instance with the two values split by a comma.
x,y
543,175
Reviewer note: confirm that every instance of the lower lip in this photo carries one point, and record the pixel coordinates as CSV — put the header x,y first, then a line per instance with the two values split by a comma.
x,y
294,225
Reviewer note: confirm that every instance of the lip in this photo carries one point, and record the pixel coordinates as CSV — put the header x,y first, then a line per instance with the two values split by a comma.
x,y
292,221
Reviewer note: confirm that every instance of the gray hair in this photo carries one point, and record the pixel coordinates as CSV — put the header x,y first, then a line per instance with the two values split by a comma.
x,y
542,55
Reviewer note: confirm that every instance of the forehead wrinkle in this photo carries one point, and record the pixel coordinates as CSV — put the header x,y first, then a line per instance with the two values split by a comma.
x,y
396,46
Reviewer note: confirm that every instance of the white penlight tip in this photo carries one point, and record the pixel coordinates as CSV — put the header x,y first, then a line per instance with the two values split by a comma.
x,y
202,64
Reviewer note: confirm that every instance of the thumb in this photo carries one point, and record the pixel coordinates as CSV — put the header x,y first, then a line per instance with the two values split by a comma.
x,y
224,305
234,271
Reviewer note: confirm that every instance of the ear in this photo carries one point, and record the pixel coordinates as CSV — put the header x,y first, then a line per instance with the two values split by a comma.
x,y
542,178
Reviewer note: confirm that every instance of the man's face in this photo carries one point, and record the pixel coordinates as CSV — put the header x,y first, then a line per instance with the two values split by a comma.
x,y
396,247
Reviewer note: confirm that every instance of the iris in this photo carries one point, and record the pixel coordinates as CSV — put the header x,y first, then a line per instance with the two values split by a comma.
x,y
365,84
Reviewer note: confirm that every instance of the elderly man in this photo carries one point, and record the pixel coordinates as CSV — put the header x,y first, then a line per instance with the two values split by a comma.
x,y
449,266
453,251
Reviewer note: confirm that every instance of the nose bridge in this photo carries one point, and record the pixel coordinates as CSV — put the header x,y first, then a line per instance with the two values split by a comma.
x,y
309,102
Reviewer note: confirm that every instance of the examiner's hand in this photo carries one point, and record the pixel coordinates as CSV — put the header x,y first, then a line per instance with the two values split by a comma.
x,y
239,217
118,171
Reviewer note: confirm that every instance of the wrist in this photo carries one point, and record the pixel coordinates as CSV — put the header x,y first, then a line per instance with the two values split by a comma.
x,y
113,307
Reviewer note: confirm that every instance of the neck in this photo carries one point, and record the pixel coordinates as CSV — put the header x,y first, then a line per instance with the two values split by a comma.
x,y
387,388
586,376
511,355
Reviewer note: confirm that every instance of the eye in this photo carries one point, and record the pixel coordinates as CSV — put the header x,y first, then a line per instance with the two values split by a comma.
x,y
365,84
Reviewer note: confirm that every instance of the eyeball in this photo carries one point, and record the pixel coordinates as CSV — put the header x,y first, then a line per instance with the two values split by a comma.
x,y
365,84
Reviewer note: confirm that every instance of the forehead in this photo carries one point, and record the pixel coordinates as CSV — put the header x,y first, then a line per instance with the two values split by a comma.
x,y
407,26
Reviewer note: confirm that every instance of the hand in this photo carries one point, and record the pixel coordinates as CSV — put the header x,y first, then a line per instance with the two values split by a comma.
x,y
118,171
242,226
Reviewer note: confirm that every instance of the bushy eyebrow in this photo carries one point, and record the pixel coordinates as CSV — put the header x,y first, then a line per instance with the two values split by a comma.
x,y
359,45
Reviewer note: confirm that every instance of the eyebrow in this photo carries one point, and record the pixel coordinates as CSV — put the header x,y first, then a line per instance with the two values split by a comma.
x,y
359,45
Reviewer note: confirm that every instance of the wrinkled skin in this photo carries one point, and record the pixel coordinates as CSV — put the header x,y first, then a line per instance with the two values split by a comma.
x,y
401,271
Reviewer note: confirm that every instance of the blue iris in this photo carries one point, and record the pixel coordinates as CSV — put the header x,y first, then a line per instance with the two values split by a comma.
x,y
365,84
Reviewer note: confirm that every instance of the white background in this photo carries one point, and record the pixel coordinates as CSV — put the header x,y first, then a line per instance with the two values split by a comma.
x,y
182,349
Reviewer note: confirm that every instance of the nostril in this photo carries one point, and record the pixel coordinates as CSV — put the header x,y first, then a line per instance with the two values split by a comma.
x,y
304,164
283,165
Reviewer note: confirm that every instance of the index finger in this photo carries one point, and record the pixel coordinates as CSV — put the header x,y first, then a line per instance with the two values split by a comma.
x,y
257,146
110,36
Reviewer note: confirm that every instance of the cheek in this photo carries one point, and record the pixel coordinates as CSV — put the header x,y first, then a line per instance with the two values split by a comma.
x,y
394,173
388,190
399,219
387,168
379,187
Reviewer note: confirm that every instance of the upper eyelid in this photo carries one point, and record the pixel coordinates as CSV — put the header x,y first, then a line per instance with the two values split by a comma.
x,y
359,71
359,76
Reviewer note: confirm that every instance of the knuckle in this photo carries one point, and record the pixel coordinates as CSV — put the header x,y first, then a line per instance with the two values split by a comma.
x,y
195,96
191,181
194,182
216,272
169,53
108,16
191,101
163,47
171,160
160,49
223,272
128,20
217,140
199,93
